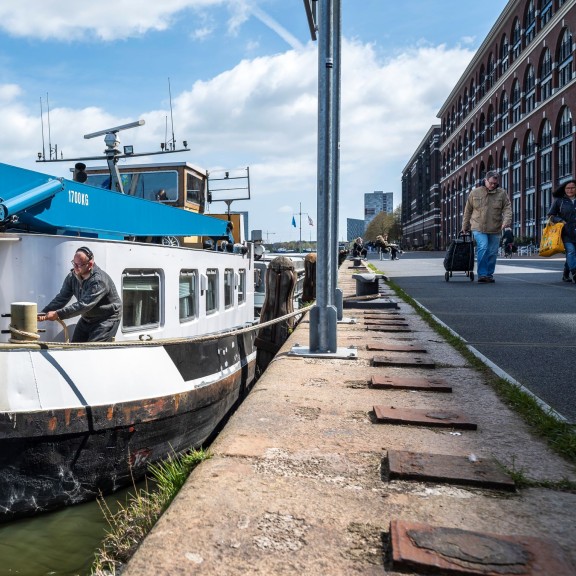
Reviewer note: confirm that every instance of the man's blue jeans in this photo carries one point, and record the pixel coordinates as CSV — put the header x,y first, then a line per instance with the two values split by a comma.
x,y
486,252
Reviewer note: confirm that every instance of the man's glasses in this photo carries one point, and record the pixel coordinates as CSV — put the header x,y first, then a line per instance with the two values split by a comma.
x,y
78,266
492,183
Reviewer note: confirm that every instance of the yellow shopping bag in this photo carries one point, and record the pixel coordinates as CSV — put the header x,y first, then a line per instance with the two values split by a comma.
x,y
551,242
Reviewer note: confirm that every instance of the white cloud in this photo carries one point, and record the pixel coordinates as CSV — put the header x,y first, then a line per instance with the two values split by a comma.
x,y
263,114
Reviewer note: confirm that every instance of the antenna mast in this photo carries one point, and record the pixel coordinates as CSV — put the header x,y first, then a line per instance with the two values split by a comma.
x,y
49,133
171,117
42,125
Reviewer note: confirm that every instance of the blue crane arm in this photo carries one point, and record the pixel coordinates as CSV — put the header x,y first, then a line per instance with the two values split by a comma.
x,y
47,204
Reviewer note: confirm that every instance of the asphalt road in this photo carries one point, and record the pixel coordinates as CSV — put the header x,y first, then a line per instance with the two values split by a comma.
x,y
525,322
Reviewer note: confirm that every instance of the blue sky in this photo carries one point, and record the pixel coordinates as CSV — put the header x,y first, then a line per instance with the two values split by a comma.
x,y
243,78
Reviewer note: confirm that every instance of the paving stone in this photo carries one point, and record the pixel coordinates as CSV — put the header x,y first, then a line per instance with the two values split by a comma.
x,y
410,383
486,473
390,347
453,551
403,360
423,416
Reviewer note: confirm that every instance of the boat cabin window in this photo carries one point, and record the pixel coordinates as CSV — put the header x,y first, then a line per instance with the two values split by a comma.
x,y
211,290
188,295
241,286
195,190
145,185
141,299
228,287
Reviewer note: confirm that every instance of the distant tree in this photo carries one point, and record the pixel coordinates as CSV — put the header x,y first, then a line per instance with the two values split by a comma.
x,y
381,225
396,230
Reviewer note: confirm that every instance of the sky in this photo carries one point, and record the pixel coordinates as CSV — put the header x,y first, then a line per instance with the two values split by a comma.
x,y
238,80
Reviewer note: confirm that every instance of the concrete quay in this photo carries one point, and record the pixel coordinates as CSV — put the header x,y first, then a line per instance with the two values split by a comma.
x,y
328,467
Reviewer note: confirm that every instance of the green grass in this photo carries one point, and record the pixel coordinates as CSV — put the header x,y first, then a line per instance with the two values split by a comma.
x,y
560,435
133,522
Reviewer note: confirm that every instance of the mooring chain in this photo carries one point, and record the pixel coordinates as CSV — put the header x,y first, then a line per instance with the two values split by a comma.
x,y
150,342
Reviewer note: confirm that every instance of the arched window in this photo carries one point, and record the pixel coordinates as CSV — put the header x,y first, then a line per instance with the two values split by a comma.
x,y
565,144
481,82
565,59
472,146
546,11
504,159
504,112
530,89
465,102
516,168
482,131
472,94
504,54
490,72
530,22
516,39
545,75
490,124
530,160
516,101
465,146
546,153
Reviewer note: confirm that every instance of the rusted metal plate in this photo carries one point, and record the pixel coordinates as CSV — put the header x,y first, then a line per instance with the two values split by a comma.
x,y
387,322
389,347
442,550
388,328
424,416
370,302
403,360
423,467
410,383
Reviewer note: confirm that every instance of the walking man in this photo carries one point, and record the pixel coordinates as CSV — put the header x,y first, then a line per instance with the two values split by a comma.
x,y
487,212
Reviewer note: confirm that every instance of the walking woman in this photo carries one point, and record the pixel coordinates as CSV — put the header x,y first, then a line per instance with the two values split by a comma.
x,y
563,209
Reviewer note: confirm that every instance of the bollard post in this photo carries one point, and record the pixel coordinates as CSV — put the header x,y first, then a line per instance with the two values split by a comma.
x,y
24,322
281,280
309,288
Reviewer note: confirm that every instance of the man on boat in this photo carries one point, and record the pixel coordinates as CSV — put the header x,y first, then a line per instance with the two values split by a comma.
x,y
97,301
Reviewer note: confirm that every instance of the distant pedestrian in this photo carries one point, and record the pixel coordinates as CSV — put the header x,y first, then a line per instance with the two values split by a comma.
x,y
487,212
358,249
563,209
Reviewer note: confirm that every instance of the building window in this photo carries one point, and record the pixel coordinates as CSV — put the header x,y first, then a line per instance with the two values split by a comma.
x,y
516,97
565,145
530,23
504,55
546,75
481,82
211,290
141,299
530,89
228,287
516,39
188,295
491,72
545,12
565,60
504,112
491,120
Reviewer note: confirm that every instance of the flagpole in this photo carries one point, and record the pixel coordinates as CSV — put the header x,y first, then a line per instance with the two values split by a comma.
x,y
300,216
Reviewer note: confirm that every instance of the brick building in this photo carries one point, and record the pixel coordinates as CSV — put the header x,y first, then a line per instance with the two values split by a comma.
x,y
512,110
421,195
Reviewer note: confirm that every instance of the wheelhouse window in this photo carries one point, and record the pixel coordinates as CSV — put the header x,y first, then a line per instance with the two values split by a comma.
x,y
241,286
196,190
211,290
147,185
188,295
228,287
141,299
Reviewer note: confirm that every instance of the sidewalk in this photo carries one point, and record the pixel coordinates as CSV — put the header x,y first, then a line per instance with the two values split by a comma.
x,y
304,480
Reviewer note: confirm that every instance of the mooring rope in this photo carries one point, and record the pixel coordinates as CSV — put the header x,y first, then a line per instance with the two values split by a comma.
x,y
15,343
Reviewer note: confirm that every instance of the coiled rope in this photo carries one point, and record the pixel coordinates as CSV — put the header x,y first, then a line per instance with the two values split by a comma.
x,y
15,343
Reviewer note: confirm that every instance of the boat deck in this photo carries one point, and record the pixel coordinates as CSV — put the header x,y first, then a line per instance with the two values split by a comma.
x,y
344,466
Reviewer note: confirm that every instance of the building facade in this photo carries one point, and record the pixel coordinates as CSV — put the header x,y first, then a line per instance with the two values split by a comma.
x,y
512,111
376,202
354,228
421,222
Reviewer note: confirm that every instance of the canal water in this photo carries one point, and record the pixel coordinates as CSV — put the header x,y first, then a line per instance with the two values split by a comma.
x,y
60,543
